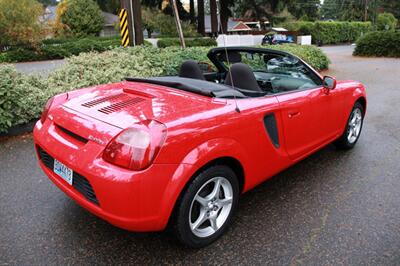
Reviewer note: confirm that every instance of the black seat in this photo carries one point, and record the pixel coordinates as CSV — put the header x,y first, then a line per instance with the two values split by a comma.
x,y
243,78
190,69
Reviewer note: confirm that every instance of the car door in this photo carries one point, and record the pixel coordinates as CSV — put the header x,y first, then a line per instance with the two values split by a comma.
x,y
308,110
298,122
327,108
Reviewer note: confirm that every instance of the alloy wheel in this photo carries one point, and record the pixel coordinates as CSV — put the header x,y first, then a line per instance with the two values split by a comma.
x,y
354,125
210,207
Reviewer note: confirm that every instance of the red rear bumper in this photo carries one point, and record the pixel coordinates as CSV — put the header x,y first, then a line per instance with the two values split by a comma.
x,y
131,200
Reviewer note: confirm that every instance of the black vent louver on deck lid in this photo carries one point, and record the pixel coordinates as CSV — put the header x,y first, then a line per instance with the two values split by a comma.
x,y
120,105
113,103
101,100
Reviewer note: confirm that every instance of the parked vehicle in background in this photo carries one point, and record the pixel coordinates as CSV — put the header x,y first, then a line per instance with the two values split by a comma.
x,y
273,39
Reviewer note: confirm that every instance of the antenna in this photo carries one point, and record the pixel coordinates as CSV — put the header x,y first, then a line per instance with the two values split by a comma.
x,y
226,55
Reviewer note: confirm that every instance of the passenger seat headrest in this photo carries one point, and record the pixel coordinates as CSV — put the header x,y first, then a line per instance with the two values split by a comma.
x,y
191,69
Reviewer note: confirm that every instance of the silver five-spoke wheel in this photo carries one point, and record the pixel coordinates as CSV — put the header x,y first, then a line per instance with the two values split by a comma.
x,y
210,207
354,126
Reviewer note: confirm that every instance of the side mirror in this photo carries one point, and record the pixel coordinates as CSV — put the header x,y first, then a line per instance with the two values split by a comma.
x,y
329,83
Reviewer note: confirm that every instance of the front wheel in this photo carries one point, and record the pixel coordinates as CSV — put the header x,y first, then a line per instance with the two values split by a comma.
x,y
206,207
353,128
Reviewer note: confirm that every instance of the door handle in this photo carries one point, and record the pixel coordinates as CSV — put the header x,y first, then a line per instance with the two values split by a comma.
x,y
293,113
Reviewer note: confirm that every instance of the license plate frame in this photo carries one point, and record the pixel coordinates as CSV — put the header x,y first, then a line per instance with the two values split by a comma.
x,y
63,171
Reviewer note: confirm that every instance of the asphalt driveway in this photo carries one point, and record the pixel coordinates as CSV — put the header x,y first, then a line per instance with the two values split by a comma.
x,y
333,208
43,68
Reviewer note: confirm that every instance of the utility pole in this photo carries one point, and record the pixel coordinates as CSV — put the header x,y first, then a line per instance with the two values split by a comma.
x,y
134,10
178,23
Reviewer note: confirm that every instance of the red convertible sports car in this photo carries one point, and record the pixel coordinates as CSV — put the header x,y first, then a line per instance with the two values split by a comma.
x,y
144,154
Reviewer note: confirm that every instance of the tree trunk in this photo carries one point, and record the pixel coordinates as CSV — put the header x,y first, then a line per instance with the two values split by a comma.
x,y
214,18
137,17
200,17
191,12
224,17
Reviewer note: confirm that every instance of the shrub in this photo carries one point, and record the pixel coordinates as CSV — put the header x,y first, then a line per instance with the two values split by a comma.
x,y
167,42
19,22
22,97
82,17
58,49
380,43
386,21
331,32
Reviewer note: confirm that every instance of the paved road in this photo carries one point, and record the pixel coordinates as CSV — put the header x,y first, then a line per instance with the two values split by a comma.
x,y
334,208
40,67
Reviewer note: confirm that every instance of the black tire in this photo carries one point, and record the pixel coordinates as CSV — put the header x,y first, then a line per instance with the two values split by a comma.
x,y
343,142
181,225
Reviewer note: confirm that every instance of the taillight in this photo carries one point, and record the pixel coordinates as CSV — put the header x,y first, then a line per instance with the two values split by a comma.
x,y
54,101
136,147
46,109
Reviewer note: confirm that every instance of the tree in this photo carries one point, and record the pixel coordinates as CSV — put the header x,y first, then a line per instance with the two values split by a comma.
x,y
48,2
183,14
148,18
82,17
386,21
110,6
330,9
353,10
20,23
191,11
225,13
152,4
350,10
200,17
305,9
392,6
260,10
156,20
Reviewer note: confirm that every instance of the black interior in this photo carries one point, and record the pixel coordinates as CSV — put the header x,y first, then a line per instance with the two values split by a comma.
x,y
234,78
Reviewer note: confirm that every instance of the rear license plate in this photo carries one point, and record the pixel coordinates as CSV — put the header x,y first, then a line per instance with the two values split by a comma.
x,y
63,171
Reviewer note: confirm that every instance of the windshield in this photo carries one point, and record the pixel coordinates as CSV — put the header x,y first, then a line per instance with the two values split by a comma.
x,y
275,72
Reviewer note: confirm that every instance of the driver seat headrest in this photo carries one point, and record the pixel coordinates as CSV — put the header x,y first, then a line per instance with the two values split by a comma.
x,y
241,76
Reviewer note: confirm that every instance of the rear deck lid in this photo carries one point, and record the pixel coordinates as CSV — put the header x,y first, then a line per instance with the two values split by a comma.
x,y
126,103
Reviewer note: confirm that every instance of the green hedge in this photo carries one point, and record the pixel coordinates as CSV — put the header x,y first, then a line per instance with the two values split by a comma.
x,y
60,48
167,42
331,32
22,96
379,43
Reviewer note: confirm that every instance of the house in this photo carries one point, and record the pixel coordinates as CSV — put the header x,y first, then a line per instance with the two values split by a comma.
x,y
236,25
111,21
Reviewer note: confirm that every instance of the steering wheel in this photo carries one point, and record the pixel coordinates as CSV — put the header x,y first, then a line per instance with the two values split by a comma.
x,y
267,84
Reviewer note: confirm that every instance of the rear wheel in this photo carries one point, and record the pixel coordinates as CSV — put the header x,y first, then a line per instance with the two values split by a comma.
x,y
353,128
205,209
